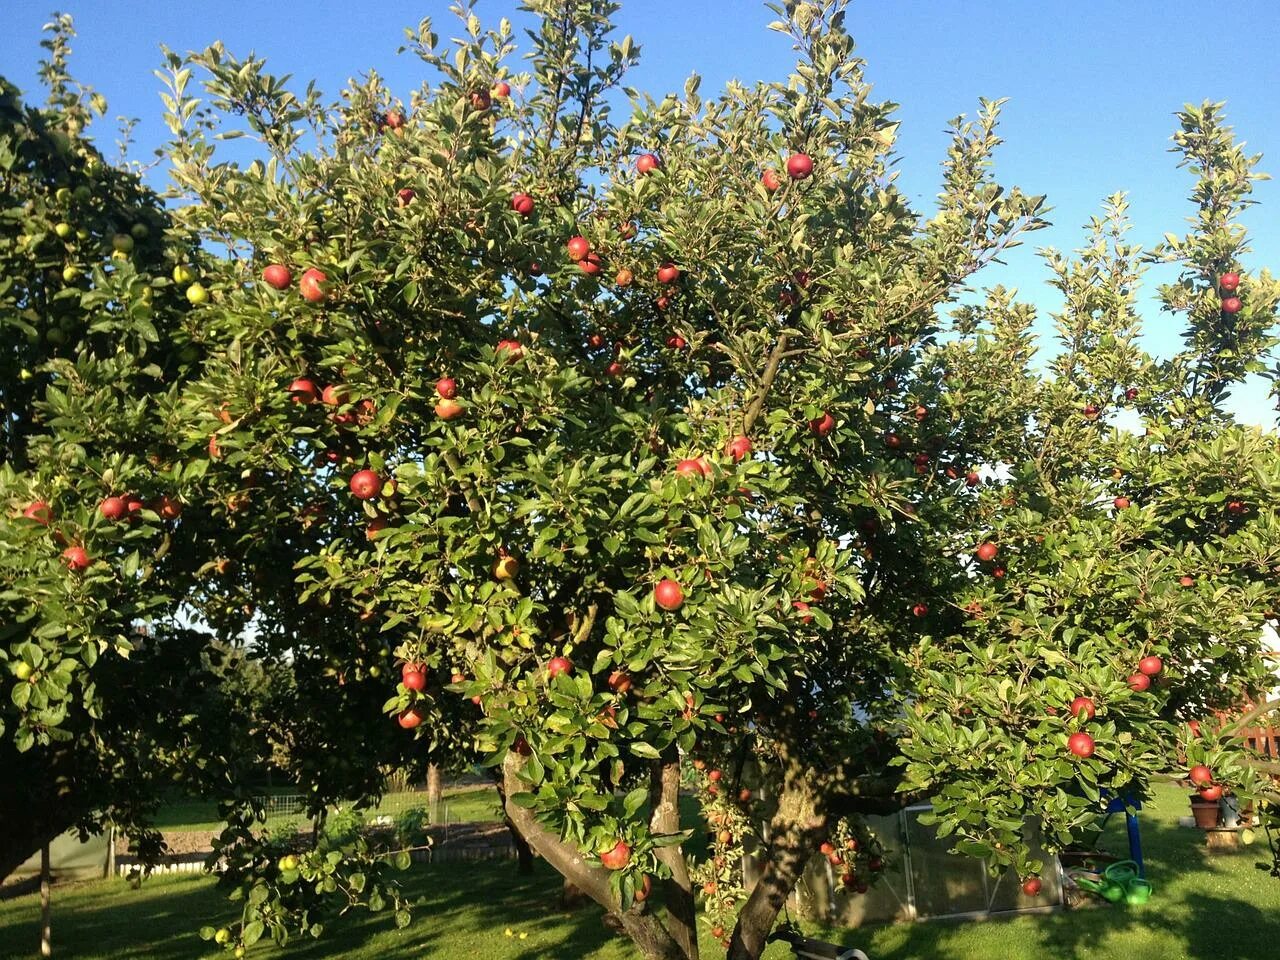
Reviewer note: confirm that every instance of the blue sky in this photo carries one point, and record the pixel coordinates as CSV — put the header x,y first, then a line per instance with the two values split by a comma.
x,y
1092,84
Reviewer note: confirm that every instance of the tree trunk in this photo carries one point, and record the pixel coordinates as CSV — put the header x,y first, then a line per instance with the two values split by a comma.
x,y
434,791
682,911
46,905
644,929
37,802
795,831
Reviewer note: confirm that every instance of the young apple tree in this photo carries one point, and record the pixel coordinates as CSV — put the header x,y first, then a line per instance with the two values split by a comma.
x,y
658,438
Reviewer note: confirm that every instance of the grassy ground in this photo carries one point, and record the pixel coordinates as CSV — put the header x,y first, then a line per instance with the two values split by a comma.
x,y
1204,908
462,805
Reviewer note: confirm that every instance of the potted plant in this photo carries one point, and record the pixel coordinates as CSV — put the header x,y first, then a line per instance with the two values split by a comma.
x,y
1205,811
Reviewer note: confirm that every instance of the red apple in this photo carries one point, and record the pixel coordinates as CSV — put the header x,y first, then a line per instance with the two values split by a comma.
x,y
677,342
617,858
715,776
1081,744
375,526
1131,394
365,484
623,277
826,848
615,369
1121,503
133,505
920,610
647,163
627,230
590,264
312,286
114,508
1091,411
578,247
1187,581
643,890
1138,682
668,594
76,559
501,90
410,718
738,449
480,101
1235,507
405,196
770,180
668,273
334,395
971,479
1212,792
447,388
39,512
987,551
799,166
1031,886
303,390
414,680
277,275
509,350
822,425
168,508
1200,775
449,409
520,746
1231,304
559,665
803,608
693,467
1229,282
1082,705
1150,665
522,204
619,681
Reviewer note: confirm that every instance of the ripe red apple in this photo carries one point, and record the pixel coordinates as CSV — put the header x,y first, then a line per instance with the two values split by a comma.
x,y
1138,682
738,449
770,180
277,275
662,302
334,395
619,681
1200,775
1031,886
559,665
1082,705
303,390
133,505
447,409
414,680
522,204
693,467
920,610
668,594
405,196
168,508
644,888
1121,503
615,369
1231,304
987,551
1229,282
1131,394
668,273
623,277
1212,792
715,776
501,90
509,350
410,718
447,388
803,608
1091,411
480,101
312,286
520,746
578,247
394,119
1187,581
822,425
799,166
365,484
677,342
617,858
826,848
458,678
114,508
1235,507
1081,744
76,559
590,264
971,479
39,512
1150,665
375,526
647,163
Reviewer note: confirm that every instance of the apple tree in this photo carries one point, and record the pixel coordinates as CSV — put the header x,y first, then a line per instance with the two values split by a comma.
x,y
137,657
663,438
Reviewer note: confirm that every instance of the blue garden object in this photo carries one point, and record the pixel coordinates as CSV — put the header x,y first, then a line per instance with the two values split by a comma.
x,y
1129,807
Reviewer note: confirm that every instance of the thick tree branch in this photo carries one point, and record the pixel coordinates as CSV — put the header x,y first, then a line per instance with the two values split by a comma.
x,y
664,794
766,381
455,466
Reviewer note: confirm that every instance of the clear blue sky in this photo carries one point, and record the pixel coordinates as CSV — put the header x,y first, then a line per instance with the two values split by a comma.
x,y
1092,84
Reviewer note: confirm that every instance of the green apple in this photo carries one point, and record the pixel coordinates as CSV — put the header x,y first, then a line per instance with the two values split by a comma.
x,y
140,231
288,862
70,273
23,670
82,233
222,936
197,294
63,229
63,194
122,243
183,274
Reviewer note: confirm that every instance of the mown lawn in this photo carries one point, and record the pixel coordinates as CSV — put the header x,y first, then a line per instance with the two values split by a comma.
x,y
1204,908
461,805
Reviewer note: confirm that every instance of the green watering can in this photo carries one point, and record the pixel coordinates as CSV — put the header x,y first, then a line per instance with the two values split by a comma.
x,y
1118,882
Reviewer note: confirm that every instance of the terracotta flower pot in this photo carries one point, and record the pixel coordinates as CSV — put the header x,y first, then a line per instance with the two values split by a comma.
x,y
1205,812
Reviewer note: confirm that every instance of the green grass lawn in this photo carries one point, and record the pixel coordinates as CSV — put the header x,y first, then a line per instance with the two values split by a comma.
x,y
461,805
1204,908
